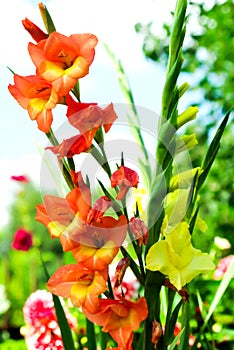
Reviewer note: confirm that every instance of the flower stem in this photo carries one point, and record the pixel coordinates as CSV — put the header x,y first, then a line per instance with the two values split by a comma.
x,y
90,329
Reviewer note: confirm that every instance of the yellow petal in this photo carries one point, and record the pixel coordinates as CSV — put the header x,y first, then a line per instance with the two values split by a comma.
x,y
184,179
50,71
176,206
179,237
79,69
36,106
55,229
200,263
159,258
78,294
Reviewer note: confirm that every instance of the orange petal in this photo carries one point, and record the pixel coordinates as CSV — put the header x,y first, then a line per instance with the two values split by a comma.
x,y
80,198
58,209
42,215
85,44
61,282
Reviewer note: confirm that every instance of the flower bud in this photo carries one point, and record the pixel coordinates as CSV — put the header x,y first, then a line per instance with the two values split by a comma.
x,y
36,33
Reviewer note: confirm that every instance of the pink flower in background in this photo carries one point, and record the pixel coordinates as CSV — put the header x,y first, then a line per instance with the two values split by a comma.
x,y
222,266
20,178
129,285
22,240
41,330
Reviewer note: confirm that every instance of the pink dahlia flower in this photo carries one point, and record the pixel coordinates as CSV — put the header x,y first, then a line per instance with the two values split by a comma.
x,y
222,266
42,331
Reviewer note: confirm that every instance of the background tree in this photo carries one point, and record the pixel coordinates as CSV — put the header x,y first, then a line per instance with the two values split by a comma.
x,y
208,51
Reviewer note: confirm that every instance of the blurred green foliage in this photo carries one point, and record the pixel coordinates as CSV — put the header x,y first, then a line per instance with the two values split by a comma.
x,y
208,50
21,271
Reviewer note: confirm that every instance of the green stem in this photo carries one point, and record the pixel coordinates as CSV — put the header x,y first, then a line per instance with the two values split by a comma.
x,y
153,284
134,120
108,169
90,330
64,166
164,161
133,266
171,295
103,338
101,160
111,294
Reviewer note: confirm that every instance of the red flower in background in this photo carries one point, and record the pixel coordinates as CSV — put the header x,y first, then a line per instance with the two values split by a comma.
x,y
20,178
22,240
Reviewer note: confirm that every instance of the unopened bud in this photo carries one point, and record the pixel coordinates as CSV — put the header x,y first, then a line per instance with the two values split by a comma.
x,y
139,229
156,333
120,271
36,33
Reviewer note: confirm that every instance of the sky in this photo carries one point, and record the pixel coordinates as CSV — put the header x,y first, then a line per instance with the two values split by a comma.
x,y
113,23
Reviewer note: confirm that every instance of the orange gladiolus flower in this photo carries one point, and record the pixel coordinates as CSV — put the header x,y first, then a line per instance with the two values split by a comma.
x,y
83,286
62,60
100,243
37,96
36,33
120,318
93,238
74,106
87,120
65,218
74,145
124,178
93,117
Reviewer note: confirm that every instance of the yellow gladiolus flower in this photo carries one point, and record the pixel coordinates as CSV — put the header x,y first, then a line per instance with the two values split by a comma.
x,y
176,257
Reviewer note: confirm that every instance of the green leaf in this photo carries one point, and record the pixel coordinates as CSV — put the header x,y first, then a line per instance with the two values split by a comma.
x,y
174,318
61,317
90,330
48,22
212,151
63,325
10,70
173,345
217,298
184,340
